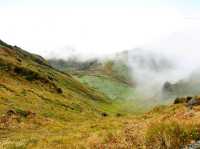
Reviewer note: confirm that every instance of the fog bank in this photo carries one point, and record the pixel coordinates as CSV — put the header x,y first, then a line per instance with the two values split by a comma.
x,y
152,68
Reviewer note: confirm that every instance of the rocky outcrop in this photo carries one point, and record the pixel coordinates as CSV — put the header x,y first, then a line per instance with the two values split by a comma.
x,y
188,100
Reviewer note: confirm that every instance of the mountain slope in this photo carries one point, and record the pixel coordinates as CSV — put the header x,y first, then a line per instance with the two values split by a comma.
x,y
41,107
37,100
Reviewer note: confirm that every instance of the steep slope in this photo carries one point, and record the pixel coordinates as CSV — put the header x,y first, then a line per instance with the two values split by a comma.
x,y
37,100
30,74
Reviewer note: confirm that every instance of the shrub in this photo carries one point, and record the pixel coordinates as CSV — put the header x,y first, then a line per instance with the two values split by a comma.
x,y
28,74
171,135
182,100
21,112
59,90
104,114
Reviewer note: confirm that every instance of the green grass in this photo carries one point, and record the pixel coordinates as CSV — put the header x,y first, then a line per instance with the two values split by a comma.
x,y
124,98
112,88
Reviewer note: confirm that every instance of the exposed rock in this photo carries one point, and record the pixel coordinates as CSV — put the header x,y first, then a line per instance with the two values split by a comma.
x,y
188,100
193,102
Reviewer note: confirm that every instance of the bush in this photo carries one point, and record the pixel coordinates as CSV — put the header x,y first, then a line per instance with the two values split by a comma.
x,y
171,135
59,90
104,114
182,100
28,74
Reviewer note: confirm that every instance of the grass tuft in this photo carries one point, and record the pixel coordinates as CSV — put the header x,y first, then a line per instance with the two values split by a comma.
x,y
171,135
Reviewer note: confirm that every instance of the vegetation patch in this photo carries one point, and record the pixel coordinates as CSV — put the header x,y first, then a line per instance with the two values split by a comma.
x,y
111,88
5,44
27,73
171,135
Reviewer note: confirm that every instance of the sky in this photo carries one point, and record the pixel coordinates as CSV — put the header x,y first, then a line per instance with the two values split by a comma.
x,y
97,27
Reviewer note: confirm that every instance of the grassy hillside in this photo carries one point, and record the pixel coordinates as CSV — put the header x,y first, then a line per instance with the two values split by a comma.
x,y
111,77
43,108
36,100
112,88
